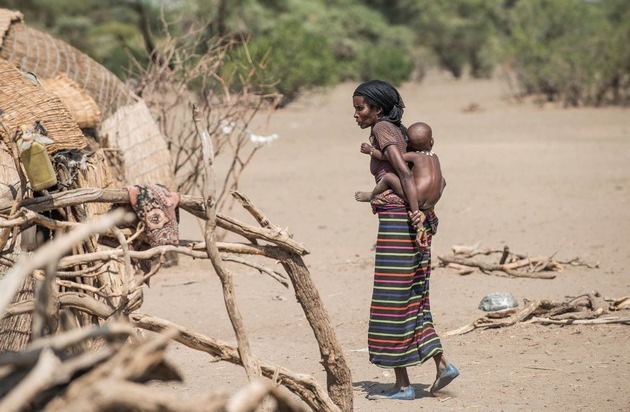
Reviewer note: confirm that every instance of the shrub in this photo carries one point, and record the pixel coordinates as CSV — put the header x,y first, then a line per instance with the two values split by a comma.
x,y
569,51
293,58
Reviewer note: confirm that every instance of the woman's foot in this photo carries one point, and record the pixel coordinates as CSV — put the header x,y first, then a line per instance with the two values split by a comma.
x,y
405,394
444,377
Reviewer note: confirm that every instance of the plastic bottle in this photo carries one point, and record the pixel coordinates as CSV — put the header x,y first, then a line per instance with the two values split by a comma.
x,y
39,169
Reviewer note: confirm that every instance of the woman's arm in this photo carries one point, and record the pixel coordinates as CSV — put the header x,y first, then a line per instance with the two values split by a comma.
x,y
369,149
395,158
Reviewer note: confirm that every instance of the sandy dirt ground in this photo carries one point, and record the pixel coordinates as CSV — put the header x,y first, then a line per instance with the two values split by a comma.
x,y
541,180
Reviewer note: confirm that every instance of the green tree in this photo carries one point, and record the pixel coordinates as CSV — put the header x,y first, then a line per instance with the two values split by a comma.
x,y
460,33
570,50
293,58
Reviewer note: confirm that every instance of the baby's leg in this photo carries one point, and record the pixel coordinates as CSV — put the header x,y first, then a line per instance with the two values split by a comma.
x,y
389,181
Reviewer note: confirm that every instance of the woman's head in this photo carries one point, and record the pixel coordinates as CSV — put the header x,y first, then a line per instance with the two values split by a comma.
x,y
378,94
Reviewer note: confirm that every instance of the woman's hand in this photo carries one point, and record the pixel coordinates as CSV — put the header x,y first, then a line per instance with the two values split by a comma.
x,y
422,241
417,220
366,148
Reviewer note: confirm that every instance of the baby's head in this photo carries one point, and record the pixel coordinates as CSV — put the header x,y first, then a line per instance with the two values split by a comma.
x,y
420,136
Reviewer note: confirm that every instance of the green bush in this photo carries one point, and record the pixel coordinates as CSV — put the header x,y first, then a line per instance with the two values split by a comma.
x,y
291,59
569,51
386,63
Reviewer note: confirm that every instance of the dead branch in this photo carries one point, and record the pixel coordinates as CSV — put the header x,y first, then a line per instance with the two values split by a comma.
x,y
35,382
58,343
161,251
511,261
249,398
462,270
46,311
192,251
576,261
486,322
52,251
138,362
254,211
26,216
582,310
305,386
114,395
192,204
339,378
262,269
471,251
75,300
620,303
598,321
209,194
488,267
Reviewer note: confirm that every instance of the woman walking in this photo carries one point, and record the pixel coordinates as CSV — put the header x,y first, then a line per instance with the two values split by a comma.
x,y
401,332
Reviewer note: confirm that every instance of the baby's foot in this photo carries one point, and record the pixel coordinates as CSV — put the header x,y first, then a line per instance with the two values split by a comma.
x,y
422,241
363,196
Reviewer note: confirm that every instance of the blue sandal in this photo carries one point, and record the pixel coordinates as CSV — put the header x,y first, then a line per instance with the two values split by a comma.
x,y
407,394
449,373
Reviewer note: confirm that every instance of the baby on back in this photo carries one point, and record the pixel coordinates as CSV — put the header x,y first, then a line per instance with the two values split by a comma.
x,y
427,175
425,166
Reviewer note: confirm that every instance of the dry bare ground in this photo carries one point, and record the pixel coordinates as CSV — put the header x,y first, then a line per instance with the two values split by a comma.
x,y
541,180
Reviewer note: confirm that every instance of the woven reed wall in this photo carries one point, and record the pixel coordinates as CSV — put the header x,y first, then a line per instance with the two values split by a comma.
x,y
46,56
24,102
138,139
96,174
81,106
14,331
146,158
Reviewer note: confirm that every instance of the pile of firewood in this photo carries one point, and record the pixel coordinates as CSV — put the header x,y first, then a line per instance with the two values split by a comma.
x,y
588,309
59,373
468,259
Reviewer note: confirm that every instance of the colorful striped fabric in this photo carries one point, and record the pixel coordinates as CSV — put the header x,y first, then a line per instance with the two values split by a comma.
x,y
401,330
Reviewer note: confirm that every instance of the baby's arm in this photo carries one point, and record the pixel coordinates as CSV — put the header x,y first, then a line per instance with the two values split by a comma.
x,y
375,153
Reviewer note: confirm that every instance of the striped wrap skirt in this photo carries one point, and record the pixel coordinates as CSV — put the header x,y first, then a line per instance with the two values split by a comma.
x,y
401,332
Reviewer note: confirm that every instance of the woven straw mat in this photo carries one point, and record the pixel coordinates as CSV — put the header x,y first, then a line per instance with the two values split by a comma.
x,y
23,102
46,56
80,104
7,18
146,158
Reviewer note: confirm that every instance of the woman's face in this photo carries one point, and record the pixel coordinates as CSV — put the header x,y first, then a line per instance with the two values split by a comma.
x,y
364,114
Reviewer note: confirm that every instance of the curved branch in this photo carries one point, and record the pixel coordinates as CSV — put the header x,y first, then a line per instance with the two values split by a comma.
x,y
192,204
305,386
209,193
52,251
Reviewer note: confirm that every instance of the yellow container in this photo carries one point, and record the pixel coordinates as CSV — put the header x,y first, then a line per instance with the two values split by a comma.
x,y
39,169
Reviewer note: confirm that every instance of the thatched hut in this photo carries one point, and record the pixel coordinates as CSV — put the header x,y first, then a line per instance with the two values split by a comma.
x,y
127,131
23,102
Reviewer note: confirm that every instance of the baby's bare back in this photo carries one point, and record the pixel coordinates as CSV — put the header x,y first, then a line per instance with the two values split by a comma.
x,y
427,175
